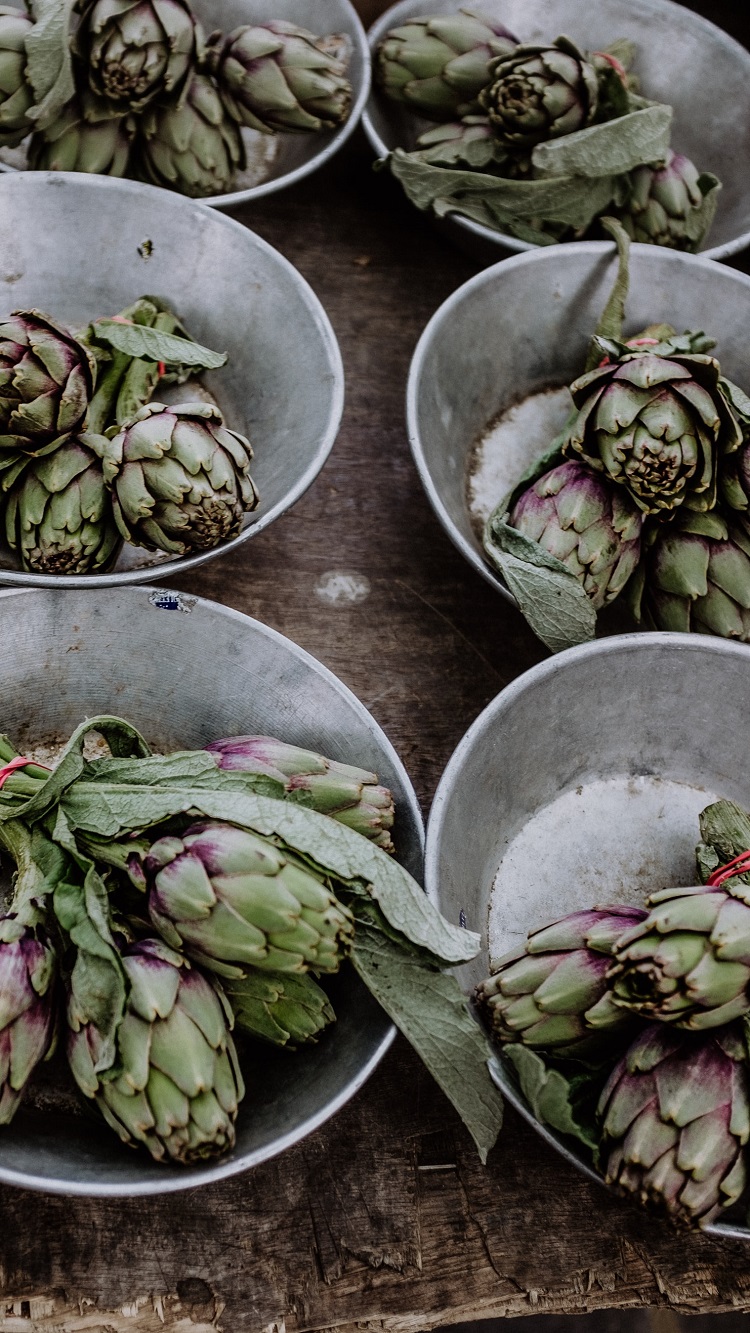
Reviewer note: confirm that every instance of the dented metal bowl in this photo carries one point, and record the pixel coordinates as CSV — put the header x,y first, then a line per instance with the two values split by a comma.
x,y
487,387
65,656
581,784
81,246
682,60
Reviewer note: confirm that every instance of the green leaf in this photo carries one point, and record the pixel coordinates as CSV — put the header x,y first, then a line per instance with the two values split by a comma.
x,y
154,344
429,1008
725,833
609,149
110,810
737,399
612,318
550,598
548,1093
49,65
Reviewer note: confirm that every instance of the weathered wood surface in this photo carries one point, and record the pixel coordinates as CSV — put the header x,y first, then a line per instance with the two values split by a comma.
x,y
384,1219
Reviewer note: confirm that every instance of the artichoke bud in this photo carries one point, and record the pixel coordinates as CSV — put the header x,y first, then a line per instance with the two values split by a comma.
x,y
439,65
539,93
193,145
28,975
80,141
46,383
664,204
134,51
16,94
279,1007
697,577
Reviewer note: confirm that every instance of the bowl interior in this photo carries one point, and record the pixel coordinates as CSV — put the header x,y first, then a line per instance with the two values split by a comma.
x,y
68,655
496,348
682,60
80,246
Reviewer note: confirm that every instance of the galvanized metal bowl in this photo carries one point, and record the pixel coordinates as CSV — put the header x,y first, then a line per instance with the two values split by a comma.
x,y
486,393
83,246
65,656
582,784
682,60
274,162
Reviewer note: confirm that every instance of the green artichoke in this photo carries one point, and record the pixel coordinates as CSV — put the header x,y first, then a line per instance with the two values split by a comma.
x,y
193,146
552,992
439,65
538,93
470,142
176,1084
696,576
279,1007
46,383
655,419
590,526
180,479
228,896
675,1120
688,961
276,76
16,95
665,205
350,795
74,143
133,51
59,513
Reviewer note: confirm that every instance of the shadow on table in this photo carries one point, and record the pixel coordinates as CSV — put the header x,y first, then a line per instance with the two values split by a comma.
x,y
613,1321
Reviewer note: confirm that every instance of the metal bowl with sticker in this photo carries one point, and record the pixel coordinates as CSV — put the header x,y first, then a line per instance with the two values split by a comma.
x,y
79,247
275,161
581,784
71,655
682,60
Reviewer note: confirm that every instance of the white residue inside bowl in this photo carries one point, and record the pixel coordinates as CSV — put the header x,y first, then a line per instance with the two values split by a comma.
x,y
508,447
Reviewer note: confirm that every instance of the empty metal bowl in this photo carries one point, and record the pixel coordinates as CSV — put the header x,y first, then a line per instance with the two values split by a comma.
x,y
582,784
276,161
212,672
486,393
81,246
682,60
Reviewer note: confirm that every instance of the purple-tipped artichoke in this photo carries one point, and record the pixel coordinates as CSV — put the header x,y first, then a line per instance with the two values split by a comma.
x,y
697,577
176,1085
438,65
180,479
75,143
589,525
133,51
230,897
46,383
665,205
277,76
28,969
350,795
552,993
675,1120
538,93
16,94
192,145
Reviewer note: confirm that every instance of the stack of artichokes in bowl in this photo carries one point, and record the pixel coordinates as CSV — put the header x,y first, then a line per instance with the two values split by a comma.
x,y
101,478
202,101
518,123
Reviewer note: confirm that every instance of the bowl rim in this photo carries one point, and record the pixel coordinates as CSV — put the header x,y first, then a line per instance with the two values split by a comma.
x,y
176,565
548,668
236,1163
488,235
537,255
334,140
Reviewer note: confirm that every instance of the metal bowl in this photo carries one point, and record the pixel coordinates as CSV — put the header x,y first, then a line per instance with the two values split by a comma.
x,y
486,392
65,656
82,246
580,783
682,59
276,161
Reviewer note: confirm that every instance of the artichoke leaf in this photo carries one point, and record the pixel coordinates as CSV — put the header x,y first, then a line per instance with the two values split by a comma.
x,y
549,596
49,64
549,1094
154,344
725,834
609,149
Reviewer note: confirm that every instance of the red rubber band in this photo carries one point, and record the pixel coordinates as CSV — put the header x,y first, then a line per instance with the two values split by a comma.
x,y
738,866
13,764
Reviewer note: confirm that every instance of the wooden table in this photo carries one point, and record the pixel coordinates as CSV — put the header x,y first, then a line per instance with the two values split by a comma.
x,y
385,1218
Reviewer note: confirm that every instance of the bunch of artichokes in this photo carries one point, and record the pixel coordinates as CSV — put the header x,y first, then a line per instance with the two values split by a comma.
x,y
456,68
141,92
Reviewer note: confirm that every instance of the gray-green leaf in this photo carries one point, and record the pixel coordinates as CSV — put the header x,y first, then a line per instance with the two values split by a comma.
x,y
609,149
548,1093
153,344
49,66
550,598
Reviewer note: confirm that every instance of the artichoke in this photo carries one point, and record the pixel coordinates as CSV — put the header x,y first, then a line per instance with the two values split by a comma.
x,y
180,479
688,961
552,992
350,795
675,1119
16,95
136,50
655,420
279,1007
228,896
74,143
193,145
537,93
590,526
665,205
470,142
276,76
697,577
59,512
439,65
176,1084
46,382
